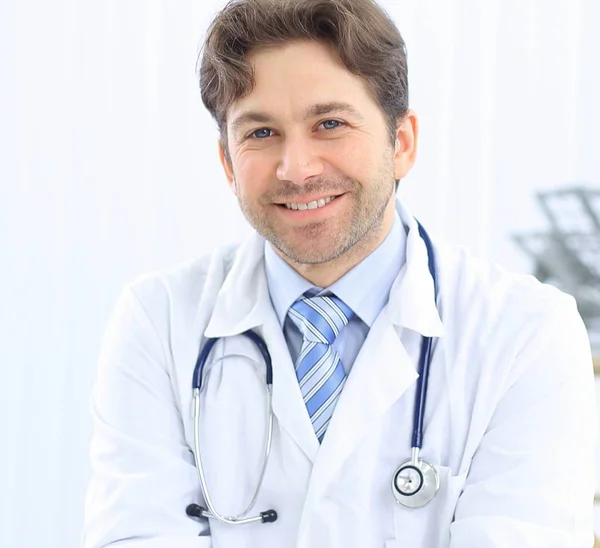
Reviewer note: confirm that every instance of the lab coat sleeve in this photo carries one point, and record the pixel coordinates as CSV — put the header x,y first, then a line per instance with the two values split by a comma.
x,y
531,481
143,473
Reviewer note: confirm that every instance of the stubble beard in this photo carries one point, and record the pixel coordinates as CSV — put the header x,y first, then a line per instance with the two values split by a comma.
x,y
359,225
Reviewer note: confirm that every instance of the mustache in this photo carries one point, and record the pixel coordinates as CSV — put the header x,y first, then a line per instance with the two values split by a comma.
x,y
329,186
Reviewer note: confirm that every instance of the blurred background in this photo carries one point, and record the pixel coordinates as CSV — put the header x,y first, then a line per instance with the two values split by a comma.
x,y
109,169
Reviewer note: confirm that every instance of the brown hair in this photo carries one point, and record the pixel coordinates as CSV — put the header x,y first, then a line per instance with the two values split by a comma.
x,y
365,38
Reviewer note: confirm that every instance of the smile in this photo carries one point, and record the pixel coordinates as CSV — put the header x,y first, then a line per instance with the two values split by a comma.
x,y
311,205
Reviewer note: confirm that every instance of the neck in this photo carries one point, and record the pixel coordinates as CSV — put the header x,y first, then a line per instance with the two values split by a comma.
x,y
326,274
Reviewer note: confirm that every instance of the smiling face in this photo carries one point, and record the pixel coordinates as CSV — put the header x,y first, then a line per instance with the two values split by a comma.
x,y
309,130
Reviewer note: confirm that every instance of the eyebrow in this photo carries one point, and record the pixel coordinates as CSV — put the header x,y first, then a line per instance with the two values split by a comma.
x,y
320,109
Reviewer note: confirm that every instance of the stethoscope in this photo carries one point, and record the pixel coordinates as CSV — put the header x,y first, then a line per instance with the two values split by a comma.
x,y
414,483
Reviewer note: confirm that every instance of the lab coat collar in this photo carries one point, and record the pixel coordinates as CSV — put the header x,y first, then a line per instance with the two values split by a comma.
x,y
243,300
243,303
412,301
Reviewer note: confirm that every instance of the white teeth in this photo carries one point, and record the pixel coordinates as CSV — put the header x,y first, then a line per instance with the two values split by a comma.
x,y
311,205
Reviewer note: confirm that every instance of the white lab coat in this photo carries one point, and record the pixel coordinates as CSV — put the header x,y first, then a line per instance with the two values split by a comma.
x,y
510,419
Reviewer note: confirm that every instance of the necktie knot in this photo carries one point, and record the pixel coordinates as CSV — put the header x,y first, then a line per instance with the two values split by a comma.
x,y
320,319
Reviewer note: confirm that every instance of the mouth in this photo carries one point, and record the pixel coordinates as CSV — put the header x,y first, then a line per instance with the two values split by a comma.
x,y
313,209
312,204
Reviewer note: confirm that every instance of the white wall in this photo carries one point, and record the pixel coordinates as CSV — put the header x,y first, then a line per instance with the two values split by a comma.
x,y
108,169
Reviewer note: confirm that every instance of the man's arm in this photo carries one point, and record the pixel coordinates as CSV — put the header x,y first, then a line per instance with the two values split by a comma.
x,y
143,473
531,482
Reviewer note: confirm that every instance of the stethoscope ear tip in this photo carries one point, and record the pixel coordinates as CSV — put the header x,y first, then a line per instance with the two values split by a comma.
x,y
194,511
269,516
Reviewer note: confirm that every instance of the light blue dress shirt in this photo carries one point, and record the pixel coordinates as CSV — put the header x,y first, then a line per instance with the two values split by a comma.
x,y
365,289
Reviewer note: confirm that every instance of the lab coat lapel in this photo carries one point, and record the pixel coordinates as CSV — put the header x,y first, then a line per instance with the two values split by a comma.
x,y
383,370
244,303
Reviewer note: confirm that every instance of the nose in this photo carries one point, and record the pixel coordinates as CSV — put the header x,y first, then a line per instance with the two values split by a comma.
x,y
299,161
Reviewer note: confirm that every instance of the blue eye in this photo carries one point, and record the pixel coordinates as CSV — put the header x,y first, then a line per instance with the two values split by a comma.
x,y
337,122
256,134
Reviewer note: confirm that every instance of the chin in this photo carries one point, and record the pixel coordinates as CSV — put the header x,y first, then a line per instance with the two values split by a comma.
x,y
311,254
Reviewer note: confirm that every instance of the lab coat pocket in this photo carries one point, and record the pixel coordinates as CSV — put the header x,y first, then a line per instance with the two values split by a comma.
x,y
429,526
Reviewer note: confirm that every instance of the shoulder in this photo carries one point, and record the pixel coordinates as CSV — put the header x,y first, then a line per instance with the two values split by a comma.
x,y
181,285
505,329
503,315
486,289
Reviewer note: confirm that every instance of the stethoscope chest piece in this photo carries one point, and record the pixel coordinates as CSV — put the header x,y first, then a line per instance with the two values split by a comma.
x,y
415,483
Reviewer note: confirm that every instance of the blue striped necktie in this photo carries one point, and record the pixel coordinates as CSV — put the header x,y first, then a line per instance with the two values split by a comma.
x,y
318,367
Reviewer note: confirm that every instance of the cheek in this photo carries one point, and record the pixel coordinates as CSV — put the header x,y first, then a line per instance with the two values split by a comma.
x,y
252,175
359,163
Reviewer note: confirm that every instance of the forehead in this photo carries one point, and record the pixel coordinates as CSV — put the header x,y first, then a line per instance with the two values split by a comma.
x,y
296,80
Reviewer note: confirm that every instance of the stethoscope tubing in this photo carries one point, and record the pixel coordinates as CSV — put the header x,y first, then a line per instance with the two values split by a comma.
x,y
425,355
208,346
212,512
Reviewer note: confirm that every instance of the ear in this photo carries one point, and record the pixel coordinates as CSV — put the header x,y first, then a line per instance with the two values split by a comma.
x,y
227,167
406,144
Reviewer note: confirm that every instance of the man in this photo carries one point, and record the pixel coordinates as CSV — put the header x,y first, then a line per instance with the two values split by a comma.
x,y
311,99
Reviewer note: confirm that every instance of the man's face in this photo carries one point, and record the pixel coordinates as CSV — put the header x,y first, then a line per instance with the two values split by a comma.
x,y
310,131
